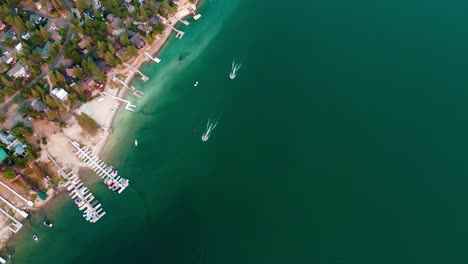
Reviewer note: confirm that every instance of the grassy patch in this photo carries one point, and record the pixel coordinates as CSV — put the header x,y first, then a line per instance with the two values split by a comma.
x,y
87,123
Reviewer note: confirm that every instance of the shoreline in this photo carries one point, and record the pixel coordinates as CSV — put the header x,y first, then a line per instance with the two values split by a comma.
x,y
138,62
100,142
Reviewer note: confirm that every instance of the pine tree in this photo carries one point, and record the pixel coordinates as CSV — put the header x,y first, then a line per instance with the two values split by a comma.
x,y
60,77
5,81
111,48
81,5
111,59
124,40
20,24
143,14
101,47
44,34
150,38
132,51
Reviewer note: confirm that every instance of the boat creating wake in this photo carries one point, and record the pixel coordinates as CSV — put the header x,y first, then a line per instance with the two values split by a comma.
x,y
234,68
210,126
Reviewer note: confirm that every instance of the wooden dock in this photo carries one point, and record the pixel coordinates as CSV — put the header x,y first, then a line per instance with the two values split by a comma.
x,y
81,195
110,176
155,59
129,106
134,90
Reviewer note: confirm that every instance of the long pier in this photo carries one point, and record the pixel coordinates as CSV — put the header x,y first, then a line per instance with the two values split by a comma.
x,y
134,90
185,22
179,34
135,69
15,226
28,202
110,177
155,59
83,198
81,195
19,211
129,106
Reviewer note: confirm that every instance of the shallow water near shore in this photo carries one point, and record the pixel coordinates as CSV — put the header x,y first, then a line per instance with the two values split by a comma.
x,y
342,139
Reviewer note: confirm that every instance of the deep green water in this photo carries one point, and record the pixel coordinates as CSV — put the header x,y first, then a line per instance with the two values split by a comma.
x,y
343,139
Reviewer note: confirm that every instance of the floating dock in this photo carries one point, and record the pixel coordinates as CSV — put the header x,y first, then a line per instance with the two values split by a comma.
x,y
110,177
83,198
179,34
81,195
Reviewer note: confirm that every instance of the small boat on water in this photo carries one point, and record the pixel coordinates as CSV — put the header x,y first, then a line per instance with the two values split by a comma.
x,y
35,237
136,143
181,59
48,224
195,84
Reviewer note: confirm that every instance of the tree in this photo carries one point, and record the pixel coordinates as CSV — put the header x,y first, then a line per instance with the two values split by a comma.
x,y
54,49
72,53
20,24
5,81
101,47
60,77
25,109
79,74
4,12
8,173
124,40
95,70
111,59
36,38
44,34
10,42
132,51
150,38
143,14
81,5
111,48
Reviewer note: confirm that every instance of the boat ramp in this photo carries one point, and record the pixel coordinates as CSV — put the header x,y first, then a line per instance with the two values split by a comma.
x,y
110,176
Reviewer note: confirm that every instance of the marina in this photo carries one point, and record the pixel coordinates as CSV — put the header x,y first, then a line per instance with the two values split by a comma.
x,y
80,194
111,178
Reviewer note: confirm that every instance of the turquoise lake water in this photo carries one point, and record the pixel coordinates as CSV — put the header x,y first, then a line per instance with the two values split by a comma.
x,y
342,139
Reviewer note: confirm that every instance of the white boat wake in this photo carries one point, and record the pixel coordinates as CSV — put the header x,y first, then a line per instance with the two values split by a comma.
x,y
234,68
210,126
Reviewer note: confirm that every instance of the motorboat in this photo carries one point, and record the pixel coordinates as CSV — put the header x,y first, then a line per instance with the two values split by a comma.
x,y
136,143
48,224
35,237
181,59
195,84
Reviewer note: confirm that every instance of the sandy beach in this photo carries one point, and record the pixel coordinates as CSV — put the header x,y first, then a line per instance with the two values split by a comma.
x,y
104,108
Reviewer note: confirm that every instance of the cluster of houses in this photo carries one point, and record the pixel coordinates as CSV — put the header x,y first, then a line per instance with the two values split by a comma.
x,y
8,63
13,144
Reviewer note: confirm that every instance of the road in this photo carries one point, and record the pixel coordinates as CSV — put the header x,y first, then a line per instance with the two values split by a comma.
x,y
56,61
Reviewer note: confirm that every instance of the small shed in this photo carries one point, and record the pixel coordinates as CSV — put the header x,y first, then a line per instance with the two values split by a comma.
x,y
3,155
60,93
